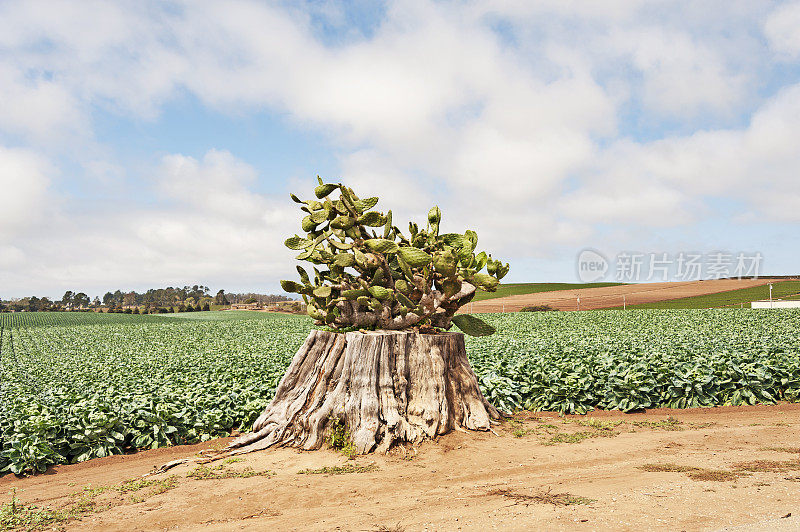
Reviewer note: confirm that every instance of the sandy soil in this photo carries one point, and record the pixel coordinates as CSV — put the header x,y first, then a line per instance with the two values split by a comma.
x,y
574,473
612,296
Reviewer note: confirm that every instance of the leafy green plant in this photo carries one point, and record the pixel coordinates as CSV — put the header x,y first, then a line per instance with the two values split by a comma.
x,y
389,280
339,438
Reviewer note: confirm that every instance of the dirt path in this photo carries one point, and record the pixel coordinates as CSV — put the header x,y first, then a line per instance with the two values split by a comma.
x,y
612,296
540,472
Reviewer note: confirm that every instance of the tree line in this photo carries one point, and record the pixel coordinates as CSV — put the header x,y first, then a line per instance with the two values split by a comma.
x,y
170,299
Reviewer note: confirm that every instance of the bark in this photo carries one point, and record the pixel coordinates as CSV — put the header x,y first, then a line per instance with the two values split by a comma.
x,y
386,387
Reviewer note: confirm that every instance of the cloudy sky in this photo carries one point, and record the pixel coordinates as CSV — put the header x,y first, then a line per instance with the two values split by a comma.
x,y
155,143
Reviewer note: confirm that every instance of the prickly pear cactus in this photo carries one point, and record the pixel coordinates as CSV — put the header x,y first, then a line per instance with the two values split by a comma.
x,y
368,274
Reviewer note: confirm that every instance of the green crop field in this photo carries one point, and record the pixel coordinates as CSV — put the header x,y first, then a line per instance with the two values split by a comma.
x,y
78,386
515,289
731,298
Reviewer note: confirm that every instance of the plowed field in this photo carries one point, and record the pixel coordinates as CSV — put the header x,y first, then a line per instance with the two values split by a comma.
x,y
612,296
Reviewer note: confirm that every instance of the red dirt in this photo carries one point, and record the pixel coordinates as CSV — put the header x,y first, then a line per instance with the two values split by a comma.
x,y
473,481
612,296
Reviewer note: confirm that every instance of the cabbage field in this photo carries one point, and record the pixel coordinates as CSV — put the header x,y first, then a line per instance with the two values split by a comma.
x,y
77,386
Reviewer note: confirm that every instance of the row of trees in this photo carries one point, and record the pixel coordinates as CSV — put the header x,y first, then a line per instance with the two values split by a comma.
x,y
158,297
195,297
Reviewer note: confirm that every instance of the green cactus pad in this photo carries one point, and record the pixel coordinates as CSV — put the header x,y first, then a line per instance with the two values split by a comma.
x,y
296,242
340,245
319,216
323,190
291,286
404,300
344,260
487,282
342,222
354,294
314,312
372,219
381,245
387,229
322,291
472,326
379,292
303,275
414,257
457,241
451,286
445,262
365,204
434,215
402,286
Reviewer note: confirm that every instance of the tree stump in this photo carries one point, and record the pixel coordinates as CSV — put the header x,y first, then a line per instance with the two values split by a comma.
x,y
386,387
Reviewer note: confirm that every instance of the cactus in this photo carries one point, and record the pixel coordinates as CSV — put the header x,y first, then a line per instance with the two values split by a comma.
x,y
386,280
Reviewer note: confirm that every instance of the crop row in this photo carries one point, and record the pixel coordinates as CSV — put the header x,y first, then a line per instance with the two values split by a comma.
x,y
71,390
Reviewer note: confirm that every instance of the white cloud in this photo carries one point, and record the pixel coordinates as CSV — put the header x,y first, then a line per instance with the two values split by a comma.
x,y
24,180
666,182
682,77
38,109
781,29
216,185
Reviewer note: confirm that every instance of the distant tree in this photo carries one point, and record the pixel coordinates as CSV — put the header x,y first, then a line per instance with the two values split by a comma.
x,y
171,310
81,300
182,308
66,300
96,302
206,307
250,300
136,310
220,298
108,298
129,299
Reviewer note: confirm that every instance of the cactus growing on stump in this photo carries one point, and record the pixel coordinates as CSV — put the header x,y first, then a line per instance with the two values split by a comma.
x,y
385,369
382,278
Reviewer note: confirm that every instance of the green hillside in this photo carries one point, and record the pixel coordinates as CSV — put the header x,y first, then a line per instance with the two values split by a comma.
x,y
514,289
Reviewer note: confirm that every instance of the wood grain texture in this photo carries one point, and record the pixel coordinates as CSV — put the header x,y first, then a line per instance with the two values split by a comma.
x,y
386,387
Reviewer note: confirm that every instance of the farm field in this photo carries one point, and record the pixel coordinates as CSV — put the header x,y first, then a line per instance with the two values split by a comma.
x,y
612,296
781,290
86,389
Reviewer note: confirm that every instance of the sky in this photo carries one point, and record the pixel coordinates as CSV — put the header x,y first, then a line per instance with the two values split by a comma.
x,y
147,144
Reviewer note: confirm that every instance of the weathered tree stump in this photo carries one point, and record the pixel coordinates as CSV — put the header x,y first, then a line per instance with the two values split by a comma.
x,y
386,387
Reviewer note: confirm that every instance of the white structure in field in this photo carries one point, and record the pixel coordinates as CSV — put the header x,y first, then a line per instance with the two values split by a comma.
x,y
775,303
